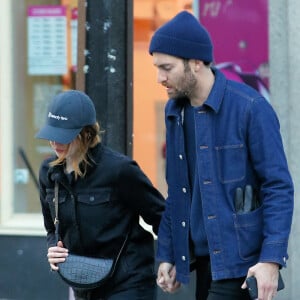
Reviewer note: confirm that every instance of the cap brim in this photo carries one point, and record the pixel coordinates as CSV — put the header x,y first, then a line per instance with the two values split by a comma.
x,y
56,134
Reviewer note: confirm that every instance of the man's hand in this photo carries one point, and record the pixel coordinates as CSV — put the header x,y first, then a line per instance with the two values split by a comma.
x,y
166,278
266,275
57,255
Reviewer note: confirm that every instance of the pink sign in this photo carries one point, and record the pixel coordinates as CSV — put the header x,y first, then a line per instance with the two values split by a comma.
x,y
239,30
46,11
74,13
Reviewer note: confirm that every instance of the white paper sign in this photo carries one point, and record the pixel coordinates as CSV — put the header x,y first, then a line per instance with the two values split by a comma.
x,y
47,40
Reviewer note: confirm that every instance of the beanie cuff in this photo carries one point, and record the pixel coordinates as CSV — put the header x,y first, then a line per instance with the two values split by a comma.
x,y
183,36
181,48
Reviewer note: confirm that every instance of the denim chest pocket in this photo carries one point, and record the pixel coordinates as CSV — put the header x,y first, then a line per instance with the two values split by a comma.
x,y
231,162
249,228
100,196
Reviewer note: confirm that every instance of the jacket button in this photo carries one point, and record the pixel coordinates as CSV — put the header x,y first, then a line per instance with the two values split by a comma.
x,y
184,190
211,217
92,198
180,156
206,182
183,257
183,224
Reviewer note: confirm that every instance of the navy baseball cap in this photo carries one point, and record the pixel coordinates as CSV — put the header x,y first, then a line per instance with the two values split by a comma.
x,y
68,113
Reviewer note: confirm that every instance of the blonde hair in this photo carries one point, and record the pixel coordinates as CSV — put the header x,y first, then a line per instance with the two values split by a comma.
x,y
88,138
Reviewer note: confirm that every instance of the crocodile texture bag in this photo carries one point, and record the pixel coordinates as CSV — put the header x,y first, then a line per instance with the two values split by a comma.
x,y
82,271
85,272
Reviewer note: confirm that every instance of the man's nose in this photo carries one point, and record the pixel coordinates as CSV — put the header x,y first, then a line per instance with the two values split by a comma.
x,y
161,77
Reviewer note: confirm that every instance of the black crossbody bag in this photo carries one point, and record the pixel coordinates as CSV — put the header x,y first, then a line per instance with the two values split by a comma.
x,y
82,271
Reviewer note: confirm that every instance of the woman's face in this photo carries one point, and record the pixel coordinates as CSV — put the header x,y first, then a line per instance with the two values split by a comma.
x,y
65,150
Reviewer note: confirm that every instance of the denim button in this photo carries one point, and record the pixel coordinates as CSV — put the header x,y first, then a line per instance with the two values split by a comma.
x,y
206,182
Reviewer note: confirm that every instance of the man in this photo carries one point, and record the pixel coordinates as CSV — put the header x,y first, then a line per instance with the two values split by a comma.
x,y
230,194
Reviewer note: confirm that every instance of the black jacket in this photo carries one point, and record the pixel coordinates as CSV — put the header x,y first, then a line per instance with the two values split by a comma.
x,y
97,211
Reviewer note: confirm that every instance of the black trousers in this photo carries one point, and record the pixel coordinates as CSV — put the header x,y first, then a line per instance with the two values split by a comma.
x,y
207,289
139,293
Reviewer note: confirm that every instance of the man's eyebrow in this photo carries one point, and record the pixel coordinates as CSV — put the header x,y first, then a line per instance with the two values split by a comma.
x,y
163,65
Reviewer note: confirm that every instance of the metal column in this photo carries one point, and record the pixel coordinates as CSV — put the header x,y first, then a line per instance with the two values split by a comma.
x,y
108,67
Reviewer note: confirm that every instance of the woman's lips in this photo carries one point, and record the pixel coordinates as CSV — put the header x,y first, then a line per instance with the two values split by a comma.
x,y
59,150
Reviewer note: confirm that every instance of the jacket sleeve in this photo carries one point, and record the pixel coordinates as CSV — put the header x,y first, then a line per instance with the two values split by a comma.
x,y
48,221
276,186
139,194
164,239
165,251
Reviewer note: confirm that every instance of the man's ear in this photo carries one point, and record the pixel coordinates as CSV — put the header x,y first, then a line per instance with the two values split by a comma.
x,y
198,64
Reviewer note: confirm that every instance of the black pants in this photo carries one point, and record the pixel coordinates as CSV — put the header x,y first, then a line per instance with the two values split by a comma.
x,y
138,293
207,289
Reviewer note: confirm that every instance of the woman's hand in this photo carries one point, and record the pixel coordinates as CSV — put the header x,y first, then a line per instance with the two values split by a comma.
x,y
166,278
57,255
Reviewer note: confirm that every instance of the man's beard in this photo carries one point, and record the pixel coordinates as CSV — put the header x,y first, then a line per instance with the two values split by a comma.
x,y
187,87
180,94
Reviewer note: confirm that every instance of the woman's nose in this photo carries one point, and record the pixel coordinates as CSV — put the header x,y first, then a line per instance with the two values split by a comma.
x,y
55,143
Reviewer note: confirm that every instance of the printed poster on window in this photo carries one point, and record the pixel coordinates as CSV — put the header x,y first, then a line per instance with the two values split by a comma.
x,y
239,30
47,40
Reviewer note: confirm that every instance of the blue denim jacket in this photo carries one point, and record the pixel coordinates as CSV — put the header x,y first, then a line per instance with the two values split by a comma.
x,y
238,142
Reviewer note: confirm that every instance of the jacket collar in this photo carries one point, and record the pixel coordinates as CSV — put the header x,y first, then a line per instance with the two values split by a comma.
x,y
215,97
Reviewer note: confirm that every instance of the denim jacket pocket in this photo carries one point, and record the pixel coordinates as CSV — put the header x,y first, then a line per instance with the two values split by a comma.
x,y
248,228
231,162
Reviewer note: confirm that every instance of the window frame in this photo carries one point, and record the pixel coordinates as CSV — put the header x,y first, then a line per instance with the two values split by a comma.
x,y
10,222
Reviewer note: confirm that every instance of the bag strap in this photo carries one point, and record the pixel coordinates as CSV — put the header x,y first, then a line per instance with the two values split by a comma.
x,y
56,221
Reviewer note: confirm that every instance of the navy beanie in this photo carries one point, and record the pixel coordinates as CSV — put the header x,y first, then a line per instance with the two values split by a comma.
x,y
183,36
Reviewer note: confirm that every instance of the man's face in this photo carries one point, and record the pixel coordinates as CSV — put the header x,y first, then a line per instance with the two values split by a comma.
x,y
175,74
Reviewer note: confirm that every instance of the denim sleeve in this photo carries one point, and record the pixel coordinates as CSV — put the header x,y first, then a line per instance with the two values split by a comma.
x,y
277,193
164,241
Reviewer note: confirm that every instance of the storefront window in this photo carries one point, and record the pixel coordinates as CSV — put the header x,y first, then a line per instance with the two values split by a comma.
x,y
33,30
35,65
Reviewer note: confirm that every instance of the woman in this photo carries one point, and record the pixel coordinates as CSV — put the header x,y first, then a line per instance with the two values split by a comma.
x,y
111,192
